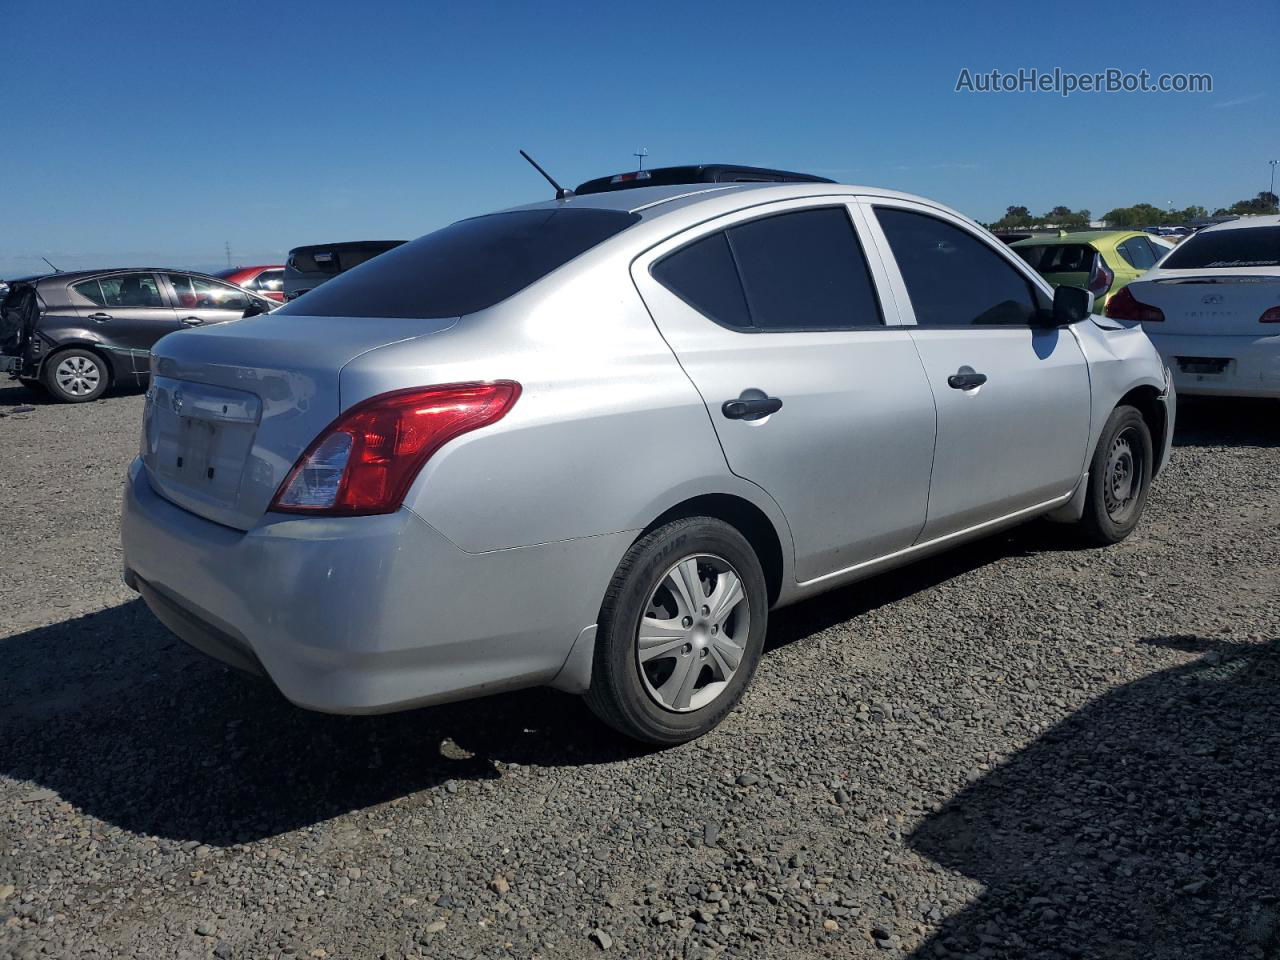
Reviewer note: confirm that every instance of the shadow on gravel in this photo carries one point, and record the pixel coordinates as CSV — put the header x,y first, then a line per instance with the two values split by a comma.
x,y
1143,826
14,394
126,722
1227,422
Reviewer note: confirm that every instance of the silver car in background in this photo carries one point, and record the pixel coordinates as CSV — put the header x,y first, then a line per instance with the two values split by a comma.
x,y
593,442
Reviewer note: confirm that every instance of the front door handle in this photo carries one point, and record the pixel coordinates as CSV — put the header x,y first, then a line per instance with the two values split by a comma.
x,y
100,317
192,321
966,381
750,409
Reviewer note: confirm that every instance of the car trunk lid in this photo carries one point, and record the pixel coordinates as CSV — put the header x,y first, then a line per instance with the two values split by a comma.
x,y
231,407
1211,303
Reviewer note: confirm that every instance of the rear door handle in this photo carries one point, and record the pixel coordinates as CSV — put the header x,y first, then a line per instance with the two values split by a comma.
x,y
100,317
754,409
966,381
192,321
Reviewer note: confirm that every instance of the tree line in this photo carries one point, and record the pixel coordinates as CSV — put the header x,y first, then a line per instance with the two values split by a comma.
x,y
1138,215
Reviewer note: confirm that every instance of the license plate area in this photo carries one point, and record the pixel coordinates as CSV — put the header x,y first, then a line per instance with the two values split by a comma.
x,y
197,440
1204,365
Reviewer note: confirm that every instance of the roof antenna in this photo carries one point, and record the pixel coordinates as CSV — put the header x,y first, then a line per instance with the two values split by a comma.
x,y
561,192
644,152
55,269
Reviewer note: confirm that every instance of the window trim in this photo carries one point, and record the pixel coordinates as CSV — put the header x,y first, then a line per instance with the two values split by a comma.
x,y
718,226
1040,289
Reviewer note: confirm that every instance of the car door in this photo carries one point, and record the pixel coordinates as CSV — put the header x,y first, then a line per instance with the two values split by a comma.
x,y
775,315
203,300
1012,396
128,310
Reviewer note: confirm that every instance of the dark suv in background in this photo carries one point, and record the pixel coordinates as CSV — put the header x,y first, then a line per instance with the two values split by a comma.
x,y
76,334
308,267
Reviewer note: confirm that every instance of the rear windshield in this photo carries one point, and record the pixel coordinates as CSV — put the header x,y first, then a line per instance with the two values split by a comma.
x,y
338,257
1058,257
1242,247
466,267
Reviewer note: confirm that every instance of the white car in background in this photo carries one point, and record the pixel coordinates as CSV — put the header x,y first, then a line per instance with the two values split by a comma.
x,y
1212,308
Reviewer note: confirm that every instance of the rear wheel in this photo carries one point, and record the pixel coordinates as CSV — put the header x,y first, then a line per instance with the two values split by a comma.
x,y
680,633
1119,478
75,376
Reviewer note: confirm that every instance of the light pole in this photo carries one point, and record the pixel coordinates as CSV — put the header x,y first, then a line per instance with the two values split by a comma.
x,y
1273,175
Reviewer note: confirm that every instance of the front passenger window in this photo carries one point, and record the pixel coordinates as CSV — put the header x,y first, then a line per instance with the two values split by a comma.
x,y
952,277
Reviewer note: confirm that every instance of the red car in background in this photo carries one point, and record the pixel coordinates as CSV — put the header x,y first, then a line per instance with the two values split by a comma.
x,y
264,281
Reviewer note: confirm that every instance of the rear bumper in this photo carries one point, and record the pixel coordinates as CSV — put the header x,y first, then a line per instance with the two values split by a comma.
x,y
363,614
1253,364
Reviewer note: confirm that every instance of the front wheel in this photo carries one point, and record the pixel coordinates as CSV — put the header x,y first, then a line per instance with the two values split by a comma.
x,y
1119,478
681,630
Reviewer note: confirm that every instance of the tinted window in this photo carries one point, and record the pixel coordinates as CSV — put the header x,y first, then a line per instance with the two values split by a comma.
x,y
269,280
466,267
952,277
122,290
1057,257
703,275
197,293
1137,251
1241,247
805,270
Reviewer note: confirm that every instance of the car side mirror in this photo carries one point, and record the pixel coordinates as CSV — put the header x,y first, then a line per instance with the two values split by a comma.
x,y
255,308
1070,305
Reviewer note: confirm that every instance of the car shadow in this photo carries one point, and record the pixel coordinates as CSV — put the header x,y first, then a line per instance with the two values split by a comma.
x,y
1227,422
1143,826
14,394
123,720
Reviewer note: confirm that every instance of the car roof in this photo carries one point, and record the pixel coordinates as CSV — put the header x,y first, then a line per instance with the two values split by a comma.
x,y
1270,220
1080,236
346,244
72,275
655,202
695,173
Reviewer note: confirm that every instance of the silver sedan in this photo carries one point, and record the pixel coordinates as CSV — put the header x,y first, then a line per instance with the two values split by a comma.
x,y
593,442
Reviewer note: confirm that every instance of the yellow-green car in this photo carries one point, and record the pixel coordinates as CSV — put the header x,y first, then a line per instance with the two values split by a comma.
x,y
1100,261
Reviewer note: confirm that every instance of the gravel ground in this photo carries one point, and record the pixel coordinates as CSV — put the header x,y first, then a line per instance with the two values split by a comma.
x,y
1014,750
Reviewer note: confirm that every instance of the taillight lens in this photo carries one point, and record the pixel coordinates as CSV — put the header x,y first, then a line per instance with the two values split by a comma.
x,y
1100,277
1125,306
1271,315
366,460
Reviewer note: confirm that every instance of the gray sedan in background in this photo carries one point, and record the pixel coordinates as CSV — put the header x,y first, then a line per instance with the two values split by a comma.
x,y
593,442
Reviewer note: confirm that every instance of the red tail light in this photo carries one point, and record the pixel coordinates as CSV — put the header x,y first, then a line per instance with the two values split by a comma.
x,y
1271,315
1125,306
1100,277
366,460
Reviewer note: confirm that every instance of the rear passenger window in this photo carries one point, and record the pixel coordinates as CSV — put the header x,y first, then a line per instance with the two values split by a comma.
x,y
703,276
952,277
792,271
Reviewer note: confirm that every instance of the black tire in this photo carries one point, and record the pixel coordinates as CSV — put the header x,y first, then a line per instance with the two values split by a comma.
x,y
79,390
1119,478
621,692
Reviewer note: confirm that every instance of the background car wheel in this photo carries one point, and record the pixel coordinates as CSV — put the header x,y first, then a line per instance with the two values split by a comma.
x,y
1119,478
75,376
680,632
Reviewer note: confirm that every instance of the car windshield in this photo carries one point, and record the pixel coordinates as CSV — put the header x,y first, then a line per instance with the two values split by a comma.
x,y
465,267
1241,247
1057,257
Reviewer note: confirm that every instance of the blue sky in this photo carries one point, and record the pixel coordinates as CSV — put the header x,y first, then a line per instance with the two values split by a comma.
x,y
156,132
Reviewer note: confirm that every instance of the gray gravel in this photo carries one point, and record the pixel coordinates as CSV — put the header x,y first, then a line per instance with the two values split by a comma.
x,y
1015,750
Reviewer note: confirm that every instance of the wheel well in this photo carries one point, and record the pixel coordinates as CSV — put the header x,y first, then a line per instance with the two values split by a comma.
x,y
1147,402
88,348
745,517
